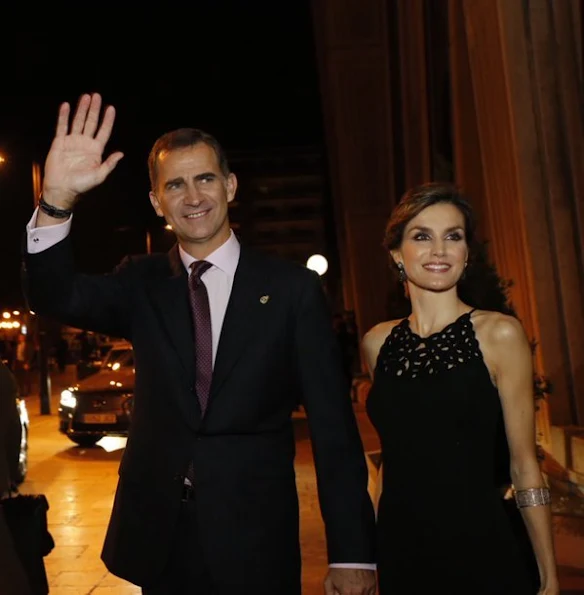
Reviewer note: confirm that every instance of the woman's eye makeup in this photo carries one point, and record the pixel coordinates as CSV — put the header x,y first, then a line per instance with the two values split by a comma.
x,y
421,236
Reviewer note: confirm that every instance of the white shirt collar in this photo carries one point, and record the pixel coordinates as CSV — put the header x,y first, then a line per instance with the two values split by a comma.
x,y
226,257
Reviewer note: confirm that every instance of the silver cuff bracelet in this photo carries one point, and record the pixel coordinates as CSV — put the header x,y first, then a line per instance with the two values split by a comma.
x,y
532,497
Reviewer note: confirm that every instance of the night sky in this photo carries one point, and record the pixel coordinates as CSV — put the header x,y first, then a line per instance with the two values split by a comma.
x,y
243,70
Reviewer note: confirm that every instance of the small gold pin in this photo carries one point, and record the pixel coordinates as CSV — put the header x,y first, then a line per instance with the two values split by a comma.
x,y
264,299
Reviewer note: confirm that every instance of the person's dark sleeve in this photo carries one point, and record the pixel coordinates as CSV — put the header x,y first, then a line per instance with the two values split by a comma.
x,y
341,468
53,288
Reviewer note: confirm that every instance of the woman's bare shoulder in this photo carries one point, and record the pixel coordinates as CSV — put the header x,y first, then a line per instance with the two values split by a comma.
x,y
374,338
498,329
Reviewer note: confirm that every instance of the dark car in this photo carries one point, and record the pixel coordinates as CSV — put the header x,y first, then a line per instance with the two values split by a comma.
x,y
101,404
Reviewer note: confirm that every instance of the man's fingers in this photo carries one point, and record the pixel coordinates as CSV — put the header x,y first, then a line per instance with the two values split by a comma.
x,y
63,120
107,124
106,168
92,118
80,114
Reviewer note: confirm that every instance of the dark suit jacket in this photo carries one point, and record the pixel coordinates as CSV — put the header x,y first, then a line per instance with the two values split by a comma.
x,y
270,356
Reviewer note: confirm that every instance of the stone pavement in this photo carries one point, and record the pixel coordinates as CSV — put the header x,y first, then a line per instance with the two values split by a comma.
x,y
80,484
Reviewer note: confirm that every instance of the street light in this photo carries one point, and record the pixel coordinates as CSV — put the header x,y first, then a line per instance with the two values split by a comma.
x,y
318,263
41,326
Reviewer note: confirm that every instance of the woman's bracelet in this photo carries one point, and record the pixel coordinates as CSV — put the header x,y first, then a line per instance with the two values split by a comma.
x,y
532,497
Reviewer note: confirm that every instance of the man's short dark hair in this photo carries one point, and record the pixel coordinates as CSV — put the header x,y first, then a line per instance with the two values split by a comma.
x,y
180,139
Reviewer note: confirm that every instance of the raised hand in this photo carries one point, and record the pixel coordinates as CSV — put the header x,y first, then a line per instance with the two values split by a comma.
x,y
350,581
75,161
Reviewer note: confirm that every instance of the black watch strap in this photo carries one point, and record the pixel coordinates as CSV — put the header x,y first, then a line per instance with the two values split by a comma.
x,y
53,211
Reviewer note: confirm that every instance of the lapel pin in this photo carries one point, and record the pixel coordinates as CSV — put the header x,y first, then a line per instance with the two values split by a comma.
x,y
264,299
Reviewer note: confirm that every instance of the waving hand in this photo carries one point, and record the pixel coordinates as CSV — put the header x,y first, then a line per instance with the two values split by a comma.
x,y
75,161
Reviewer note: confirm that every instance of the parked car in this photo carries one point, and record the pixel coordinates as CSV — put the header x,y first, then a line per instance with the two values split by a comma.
x,y
94,362
101,404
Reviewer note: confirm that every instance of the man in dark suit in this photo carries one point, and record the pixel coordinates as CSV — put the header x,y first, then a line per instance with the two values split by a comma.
x,y
206,500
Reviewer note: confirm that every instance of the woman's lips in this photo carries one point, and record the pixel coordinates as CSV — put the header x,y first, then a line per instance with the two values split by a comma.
x,y
437,267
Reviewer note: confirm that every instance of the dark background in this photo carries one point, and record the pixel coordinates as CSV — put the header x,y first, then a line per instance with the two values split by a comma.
x,y
243,70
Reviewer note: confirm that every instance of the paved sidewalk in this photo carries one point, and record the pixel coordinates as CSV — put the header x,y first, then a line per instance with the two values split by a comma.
x,y
80,484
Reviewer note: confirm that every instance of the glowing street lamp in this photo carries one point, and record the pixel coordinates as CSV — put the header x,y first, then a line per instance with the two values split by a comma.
x,y
43,357
317,263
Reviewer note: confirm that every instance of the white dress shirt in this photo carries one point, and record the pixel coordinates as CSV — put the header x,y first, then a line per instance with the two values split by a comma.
x,y
218,280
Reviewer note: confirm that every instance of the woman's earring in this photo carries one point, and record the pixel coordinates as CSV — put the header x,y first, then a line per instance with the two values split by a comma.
x,y
401,272
463,276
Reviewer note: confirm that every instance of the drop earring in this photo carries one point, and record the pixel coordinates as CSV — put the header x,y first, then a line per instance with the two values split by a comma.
x,y
401,272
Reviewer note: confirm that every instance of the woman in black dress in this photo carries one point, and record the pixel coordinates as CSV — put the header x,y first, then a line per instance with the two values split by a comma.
x,y
449,381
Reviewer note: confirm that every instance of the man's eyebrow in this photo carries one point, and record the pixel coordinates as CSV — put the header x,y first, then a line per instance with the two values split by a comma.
x,y
207,174
174,181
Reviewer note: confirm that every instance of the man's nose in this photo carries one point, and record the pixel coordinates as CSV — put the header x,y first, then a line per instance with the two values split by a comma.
x,y
193,196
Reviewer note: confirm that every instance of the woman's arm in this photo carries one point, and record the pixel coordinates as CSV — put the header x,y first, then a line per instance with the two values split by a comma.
x,y
370,346
372,341
513,373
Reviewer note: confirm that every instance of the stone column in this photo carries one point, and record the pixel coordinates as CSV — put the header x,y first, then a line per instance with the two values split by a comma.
x,y
413,91
525,73
352,47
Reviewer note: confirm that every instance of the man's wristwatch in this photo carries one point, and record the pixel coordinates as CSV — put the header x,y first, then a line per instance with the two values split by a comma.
x,y
53,211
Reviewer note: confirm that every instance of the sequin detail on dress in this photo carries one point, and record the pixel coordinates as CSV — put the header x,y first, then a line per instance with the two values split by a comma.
x,y
408,355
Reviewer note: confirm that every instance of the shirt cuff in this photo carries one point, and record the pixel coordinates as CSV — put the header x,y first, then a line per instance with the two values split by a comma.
x,y
42,238
355,566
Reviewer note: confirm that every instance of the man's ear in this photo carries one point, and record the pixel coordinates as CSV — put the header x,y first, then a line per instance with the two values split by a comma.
x,y
231,186
155,203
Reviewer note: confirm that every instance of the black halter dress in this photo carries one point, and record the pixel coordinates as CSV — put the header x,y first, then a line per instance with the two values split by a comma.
x,y
442,524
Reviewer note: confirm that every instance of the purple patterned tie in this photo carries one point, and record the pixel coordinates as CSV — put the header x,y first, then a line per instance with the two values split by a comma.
x,y
203,336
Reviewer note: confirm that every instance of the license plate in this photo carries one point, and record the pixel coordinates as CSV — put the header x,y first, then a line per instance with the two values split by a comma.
x,y
99,418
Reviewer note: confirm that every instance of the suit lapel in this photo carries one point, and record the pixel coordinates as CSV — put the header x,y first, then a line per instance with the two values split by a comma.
x,y
170,298
241,321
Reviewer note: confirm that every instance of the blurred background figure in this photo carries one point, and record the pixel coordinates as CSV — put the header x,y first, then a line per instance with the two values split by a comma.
x,y
62,353
22,364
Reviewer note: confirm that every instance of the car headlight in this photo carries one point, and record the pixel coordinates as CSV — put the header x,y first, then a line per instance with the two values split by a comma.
x,y
68,399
